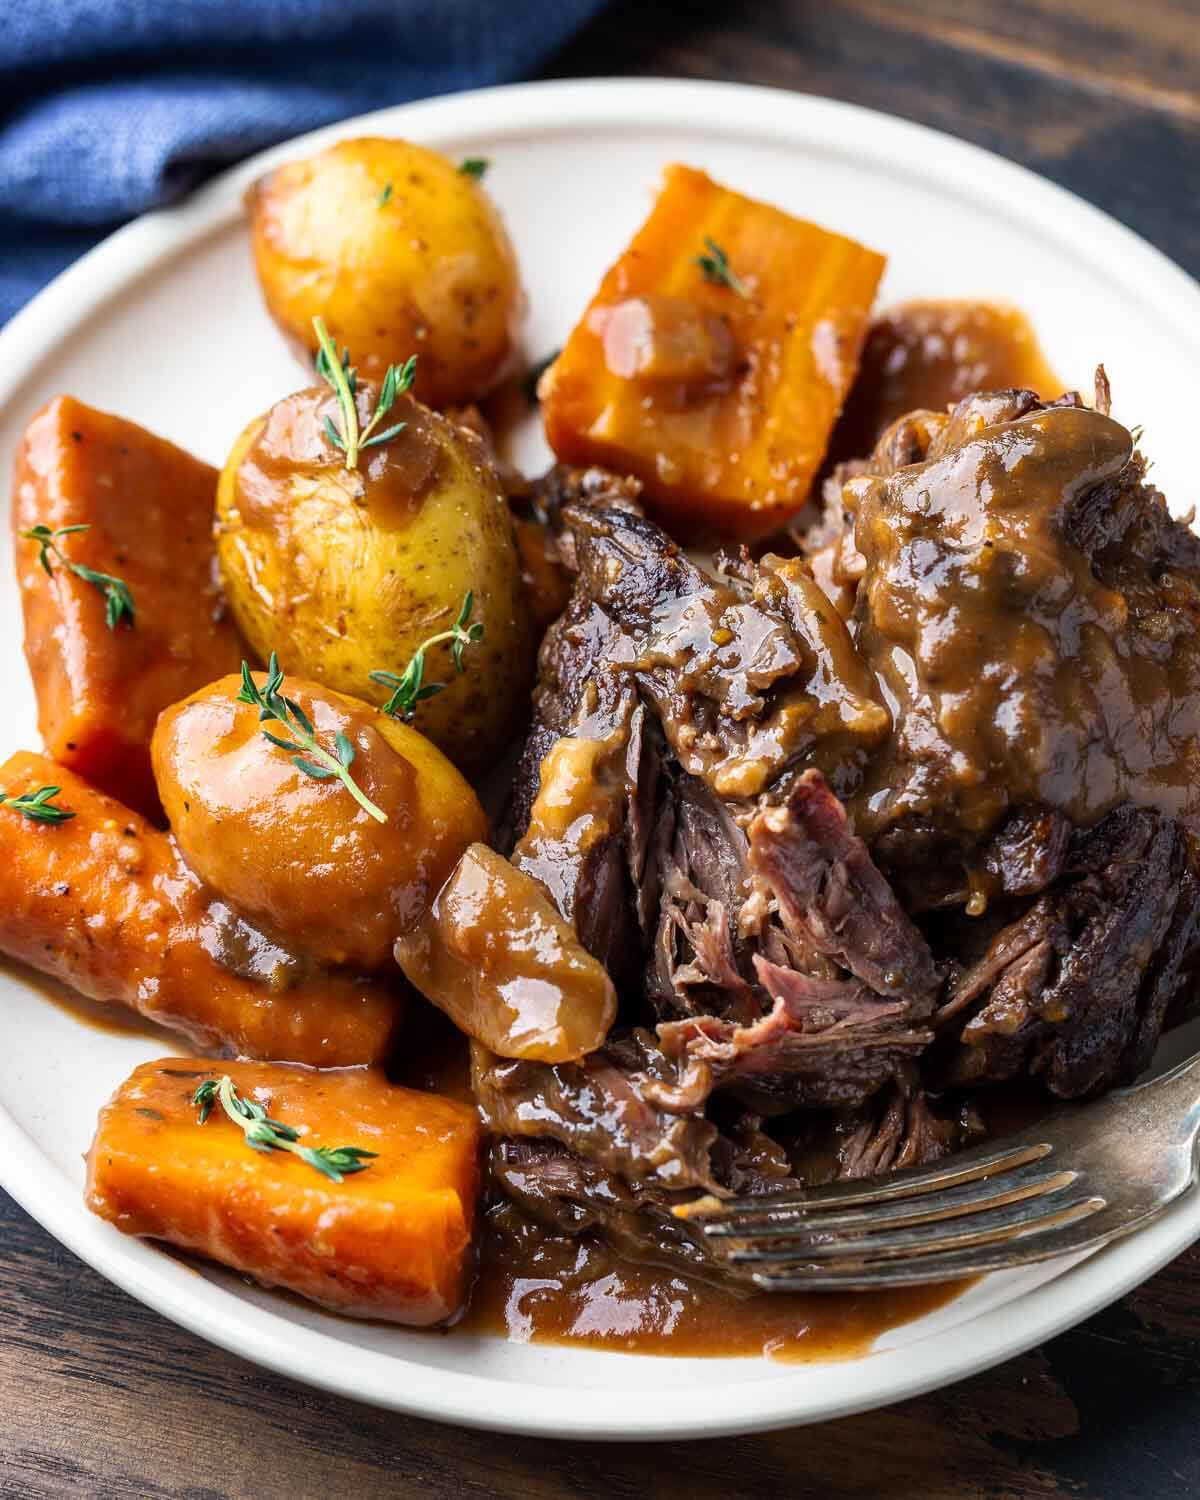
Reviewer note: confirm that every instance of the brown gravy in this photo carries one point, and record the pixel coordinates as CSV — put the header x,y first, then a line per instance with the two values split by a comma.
x,y
534,1286
929,355
112,1020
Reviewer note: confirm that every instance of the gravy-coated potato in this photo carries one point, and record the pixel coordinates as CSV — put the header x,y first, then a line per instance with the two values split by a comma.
x,y
400,253
299,855
345,572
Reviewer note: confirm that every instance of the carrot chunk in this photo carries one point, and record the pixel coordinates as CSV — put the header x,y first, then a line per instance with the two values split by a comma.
x,y
392,1241
714,359
105,903
148,509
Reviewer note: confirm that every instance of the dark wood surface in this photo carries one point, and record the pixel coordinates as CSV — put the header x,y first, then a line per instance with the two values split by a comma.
x,y
100,1397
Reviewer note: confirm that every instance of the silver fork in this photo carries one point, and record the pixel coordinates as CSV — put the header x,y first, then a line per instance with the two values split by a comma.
x,y
1086,1175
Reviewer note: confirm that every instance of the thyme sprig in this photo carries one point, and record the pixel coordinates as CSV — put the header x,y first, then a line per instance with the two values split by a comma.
x,y
385,196
266,1135
306,754
474,166
410,687
38,806
716,268
118,600
343,377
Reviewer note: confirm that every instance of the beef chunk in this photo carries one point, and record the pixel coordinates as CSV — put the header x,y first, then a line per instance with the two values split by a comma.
x,y
1028,852
568,1193
743,679
1078,988
617,1107
906,1132
588,1148
860,830
825,1042
574,838
699,963
1030,610
828,888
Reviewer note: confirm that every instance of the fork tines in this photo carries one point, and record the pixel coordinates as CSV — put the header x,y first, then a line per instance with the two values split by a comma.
x,y
932,1224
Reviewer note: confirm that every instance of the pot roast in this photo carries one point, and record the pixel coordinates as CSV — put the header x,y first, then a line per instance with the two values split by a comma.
x,y
867,830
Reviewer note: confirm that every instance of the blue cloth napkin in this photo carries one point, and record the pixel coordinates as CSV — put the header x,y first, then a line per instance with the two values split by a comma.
x,y
118,106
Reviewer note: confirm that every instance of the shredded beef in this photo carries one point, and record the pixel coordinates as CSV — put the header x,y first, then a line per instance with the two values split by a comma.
x,y
907,1132
828,888
1076,990
869,829
606,1108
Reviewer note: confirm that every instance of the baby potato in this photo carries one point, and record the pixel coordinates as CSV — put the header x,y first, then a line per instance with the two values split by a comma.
x,y
347,571
298,854
400,253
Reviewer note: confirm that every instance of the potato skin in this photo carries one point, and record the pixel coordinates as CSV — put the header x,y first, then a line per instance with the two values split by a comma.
x,y
344,573
400,253
298,855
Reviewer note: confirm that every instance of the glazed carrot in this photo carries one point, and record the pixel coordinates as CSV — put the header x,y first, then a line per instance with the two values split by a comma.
x,y
717,384
148,507
105,903
391,1241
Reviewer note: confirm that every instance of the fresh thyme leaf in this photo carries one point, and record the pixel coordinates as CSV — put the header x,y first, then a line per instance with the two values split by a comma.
x,y
281,743
38,806
307,754
266,1135
335,1162
387,393
118,599
530,384
341,375
382,437
299,715
385,196
474,166
410,687
310,768
716,268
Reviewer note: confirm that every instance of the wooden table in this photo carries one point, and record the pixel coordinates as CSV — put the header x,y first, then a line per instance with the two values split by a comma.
x,y
99,1397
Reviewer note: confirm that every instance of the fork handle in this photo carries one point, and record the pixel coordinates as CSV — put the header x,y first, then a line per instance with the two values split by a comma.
x,y
1172,1096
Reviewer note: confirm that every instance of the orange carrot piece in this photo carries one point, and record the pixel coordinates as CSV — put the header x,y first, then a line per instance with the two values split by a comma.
x,y
105,903
148,507
720,398
393,1241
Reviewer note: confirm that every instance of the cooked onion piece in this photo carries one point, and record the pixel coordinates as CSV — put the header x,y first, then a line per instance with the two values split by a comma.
x,y
495,955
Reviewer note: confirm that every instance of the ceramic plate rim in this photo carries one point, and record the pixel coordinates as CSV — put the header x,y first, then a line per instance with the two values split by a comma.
x,y
726,1405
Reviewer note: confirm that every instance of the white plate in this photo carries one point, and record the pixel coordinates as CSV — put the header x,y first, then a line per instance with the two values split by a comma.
x,y
163,323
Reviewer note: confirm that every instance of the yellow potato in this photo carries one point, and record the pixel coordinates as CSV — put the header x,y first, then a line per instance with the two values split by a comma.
x,y
297,854
345,572
400,253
